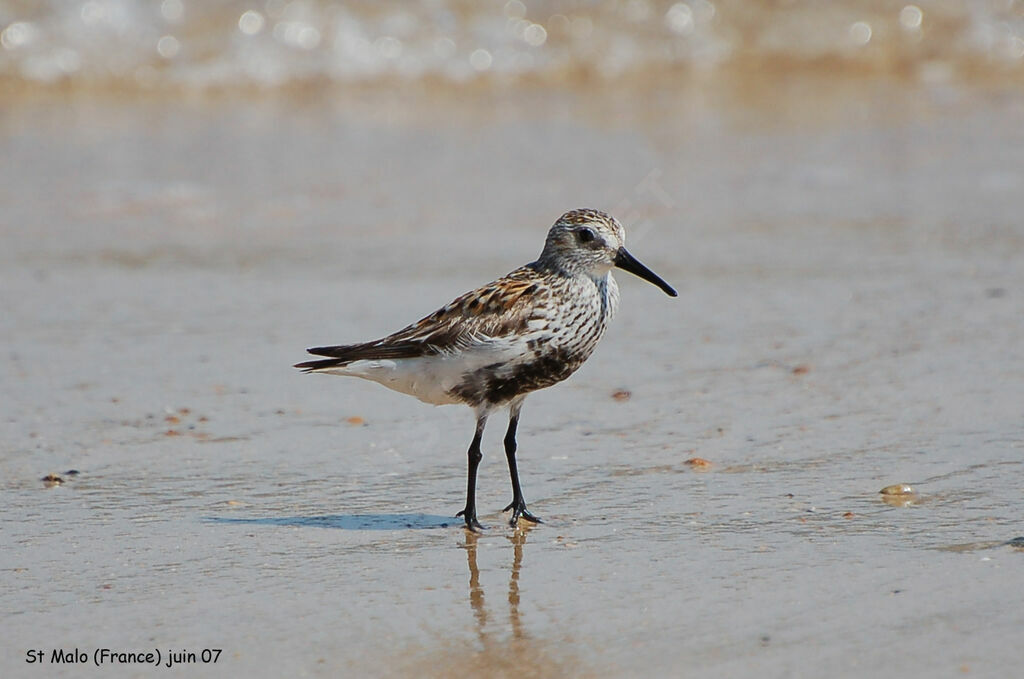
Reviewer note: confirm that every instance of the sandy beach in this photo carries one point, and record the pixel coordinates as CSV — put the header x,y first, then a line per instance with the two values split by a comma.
x,y
848,256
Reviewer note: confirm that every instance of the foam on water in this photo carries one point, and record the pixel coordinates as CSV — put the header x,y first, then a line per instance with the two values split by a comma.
x,y
192,44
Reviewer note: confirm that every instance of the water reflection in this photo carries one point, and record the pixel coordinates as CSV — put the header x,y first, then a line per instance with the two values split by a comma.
x,y
499,649
476,590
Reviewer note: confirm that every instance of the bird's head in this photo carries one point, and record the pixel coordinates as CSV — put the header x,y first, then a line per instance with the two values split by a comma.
x,y
592,242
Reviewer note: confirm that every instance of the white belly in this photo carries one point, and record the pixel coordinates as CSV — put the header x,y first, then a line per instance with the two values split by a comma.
x,y
429,378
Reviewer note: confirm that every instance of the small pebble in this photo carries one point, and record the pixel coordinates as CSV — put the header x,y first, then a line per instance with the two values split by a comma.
x,y
898,489
355,420
698,463
622,394
900,500
51,480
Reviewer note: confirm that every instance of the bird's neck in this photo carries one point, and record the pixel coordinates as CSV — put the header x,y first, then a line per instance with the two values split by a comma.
x,y
609,291
568,268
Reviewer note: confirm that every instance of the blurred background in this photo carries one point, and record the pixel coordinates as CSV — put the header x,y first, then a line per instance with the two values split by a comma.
x,y
250,123
192,192
199,47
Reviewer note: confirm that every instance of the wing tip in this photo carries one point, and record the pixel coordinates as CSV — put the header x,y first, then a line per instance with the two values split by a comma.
x,y
313,366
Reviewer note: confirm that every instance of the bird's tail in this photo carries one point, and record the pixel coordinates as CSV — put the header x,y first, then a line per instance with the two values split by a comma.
x,y
313,366
374,351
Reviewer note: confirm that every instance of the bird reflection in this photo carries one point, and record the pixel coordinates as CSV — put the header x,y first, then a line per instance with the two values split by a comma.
x,y
476,590
502,650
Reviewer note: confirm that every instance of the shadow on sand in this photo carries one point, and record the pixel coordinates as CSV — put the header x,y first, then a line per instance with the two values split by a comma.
x,y
349,521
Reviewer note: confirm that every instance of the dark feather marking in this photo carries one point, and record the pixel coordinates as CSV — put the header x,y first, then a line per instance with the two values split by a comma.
x,y
488,386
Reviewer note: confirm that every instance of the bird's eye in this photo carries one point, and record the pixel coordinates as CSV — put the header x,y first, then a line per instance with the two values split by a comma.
x,y
585,235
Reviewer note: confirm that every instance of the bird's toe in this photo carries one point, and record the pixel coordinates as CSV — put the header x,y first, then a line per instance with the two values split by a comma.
x,y
519,511
472,524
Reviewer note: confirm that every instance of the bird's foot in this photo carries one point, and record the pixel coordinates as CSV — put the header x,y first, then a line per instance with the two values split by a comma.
x,y
469,514
519,510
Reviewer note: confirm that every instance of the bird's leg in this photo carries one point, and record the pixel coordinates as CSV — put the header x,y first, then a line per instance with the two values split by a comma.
x,y
518,504
469,513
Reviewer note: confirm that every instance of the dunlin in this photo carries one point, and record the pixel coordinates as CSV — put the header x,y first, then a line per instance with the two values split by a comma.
x,y
491,347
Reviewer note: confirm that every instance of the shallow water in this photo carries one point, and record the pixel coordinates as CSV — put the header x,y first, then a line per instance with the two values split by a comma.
x,y
848,259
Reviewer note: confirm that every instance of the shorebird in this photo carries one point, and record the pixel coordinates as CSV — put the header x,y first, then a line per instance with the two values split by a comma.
x,y
491,347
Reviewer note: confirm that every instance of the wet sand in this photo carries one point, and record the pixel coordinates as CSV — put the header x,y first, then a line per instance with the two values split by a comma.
x,y
848,257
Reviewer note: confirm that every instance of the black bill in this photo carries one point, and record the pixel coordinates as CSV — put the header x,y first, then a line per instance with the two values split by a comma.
x,y
628,262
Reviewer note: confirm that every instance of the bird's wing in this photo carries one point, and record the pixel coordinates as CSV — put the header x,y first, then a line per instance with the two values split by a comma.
x,y
477,318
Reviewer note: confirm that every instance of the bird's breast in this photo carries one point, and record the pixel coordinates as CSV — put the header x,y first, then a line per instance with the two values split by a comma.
x,y
557,341
578,324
